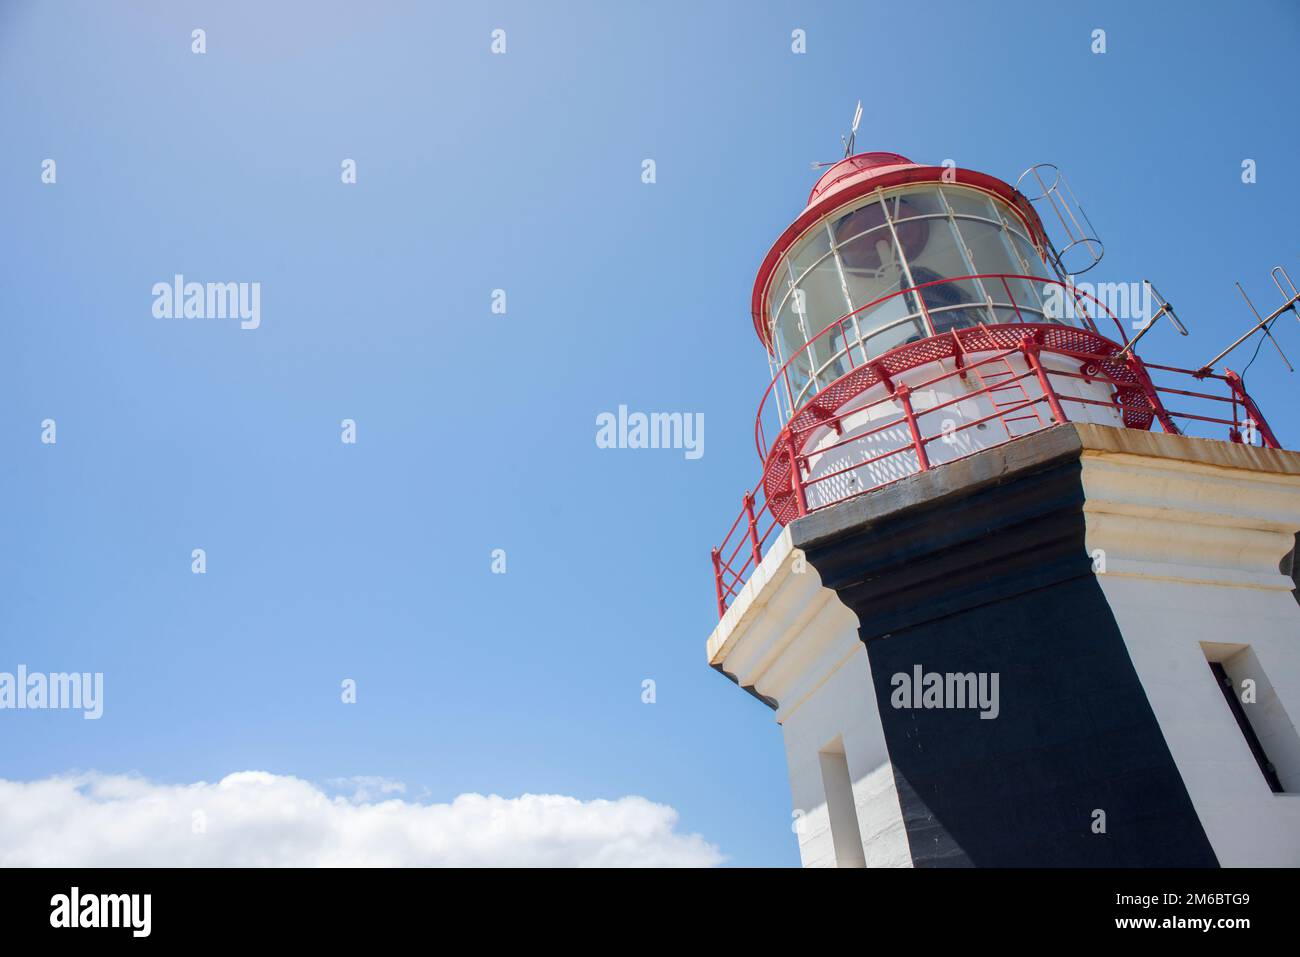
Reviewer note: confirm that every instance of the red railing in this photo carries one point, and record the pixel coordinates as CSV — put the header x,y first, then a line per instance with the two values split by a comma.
x,y
731,569
783,493
1024,312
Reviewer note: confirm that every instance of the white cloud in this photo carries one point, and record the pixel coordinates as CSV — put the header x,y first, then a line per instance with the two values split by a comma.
x,y
366,788
253,819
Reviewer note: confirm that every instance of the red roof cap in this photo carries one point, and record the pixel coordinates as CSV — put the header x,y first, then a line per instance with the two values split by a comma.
x,y
854,169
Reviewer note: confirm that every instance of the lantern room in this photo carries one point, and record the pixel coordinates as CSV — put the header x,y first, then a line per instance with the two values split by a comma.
x,y
902,251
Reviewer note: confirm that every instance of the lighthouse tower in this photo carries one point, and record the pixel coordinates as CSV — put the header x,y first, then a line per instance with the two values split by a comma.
x,y
1015,595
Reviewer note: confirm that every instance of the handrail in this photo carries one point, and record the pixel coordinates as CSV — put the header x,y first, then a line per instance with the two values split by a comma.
x,y
859,340
1135,397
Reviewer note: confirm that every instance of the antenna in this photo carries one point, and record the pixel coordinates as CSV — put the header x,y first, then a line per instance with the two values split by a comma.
x,y
853,132
1164,310
1292,298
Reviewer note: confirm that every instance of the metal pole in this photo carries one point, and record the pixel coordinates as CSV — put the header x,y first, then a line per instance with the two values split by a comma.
x,y
796,480
753,528
717,582
1030,349
1252,410
904,395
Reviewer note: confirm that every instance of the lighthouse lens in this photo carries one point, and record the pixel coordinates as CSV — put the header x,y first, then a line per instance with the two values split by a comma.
x,y
914,262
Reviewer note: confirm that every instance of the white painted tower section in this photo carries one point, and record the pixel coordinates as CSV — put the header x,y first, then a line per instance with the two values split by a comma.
x,y
1193,533
1188,536
793,640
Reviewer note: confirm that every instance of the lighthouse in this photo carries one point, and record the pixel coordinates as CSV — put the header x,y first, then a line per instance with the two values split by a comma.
x,y
1016,593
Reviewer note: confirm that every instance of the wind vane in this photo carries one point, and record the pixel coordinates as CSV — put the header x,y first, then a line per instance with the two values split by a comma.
x,y
849,141
853,132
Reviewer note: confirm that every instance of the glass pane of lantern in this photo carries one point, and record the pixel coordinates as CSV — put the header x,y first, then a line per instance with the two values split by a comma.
x,y
874,275
893,333
829,355
1021,293
872,266
988,252
968,202
778,293
1030,255
780,305
799,375
993,255
1015,226
913,201
823,297
954,303
1030,295
865,218
786,333
809,251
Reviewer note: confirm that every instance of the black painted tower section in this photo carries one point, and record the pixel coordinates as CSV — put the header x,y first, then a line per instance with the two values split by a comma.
x,y
995,577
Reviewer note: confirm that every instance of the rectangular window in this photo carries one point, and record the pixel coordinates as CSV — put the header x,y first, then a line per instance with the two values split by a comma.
x,y
1258,712
841,807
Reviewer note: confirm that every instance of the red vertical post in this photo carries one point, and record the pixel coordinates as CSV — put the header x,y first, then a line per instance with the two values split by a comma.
x,y
753,528
1239,393
717,582
1011,298
1031,350
920,298
904,395
796,479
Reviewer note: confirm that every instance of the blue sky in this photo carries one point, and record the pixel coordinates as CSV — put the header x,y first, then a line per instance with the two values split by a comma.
x,y
476,431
